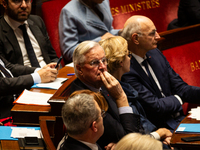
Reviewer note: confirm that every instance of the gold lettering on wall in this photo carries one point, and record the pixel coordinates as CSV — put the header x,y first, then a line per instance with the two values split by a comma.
x,y
195,65
139,6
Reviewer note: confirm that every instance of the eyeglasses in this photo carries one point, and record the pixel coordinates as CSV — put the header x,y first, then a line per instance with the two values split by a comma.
x,y
103,114
95,63
130,55
152,34
19,2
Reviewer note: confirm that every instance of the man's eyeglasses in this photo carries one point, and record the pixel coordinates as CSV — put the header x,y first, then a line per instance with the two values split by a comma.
x,y
152,34
19,2
95,63
103,114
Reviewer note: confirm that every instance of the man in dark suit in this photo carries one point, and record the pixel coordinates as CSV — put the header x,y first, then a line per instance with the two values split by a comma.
x,y
90,66
162,90
83,119
12,43
14,78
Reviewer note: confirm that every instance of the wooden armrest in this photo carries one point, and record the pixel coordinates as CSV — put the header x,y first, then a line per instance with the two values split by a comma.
x,y
45,132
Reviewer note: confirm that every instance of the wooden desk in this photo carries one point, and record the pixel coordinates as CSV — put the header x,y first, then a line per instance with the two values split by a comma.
x,y
9,145
29,114
176,138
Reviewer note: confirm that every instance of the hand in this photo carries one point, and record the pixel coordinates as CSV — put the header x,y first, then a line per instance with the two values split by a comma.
x,y
163,132
110,146
51,65
114,88
165,135
48,73
106,35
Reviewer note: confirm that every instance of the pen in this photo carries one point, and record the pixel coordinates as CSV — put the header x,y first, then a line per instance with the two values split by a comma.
x,y
59,60
71,74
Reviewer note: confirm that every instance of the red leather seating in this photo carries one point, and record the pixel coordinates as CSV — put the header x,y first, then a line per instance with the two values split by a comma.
x,y
185,61
161,12
51,12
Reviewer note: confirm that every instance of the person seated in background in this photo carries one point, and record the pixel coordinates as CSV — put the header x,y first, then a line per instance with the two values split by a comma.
x,y
14,78
118,56
161,89
83,120
188,14
23,37
90,65
82,20
137,141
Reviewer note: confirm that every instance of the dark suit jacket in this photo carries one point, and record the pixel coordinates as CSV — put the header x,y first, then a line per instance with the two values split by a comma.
x,y
133,99
72,144
115,125
188,14
9,86
159,109
9,46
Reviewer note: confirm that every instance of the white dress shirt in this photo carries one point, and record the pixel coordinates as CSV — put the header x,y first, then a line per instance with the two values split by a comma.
x,y
19,35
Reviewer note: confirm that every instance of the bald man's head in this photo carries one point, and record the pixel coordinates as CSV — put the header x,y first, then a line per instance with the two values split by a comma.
x,y
135,24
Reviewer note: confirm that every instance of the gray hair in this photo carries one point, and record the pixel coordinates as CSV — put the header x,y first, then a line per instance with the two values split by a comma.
x,y
129,29
80,51
78,113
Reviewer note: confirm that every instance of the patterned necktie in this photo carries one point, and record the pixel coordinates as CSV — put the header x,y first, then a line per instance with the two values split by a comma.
x,y
5,72
153,83
29,48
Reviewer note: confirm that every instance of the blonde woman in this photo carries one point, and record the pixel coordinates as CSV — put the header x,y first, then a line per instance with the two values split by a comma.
x,y
137,141
118,56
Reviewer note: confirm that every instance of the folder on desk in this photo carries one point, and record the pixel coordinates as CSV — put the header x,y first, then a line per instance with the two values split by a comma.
x,y
51,85
188,128
6,131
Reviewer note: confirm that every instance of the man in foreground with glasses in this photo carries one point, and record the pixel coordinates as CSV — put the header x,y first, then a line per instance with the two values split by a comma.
x,y
90,67
83,120
24,39
161,89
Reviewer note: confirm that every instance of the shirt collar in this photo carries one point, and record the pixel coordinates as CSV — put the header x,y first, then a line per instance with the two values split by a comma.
x,y
90,145
138,58
12,23
92,88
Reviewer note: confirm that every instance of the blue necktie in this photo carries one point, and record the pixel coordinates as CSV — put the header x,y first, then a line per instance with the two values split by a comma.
x,y
153,83
5,72
29,47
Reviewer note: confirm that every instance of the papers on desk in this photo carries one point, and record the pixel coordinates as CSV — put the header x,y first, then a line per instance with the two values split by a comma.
x,y
195,113
12,133
188,128
34,98
51,85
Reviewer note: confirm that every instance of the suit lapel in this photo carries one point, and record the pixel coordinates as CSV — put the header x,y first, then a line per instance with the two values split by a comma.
x,y
37,34
140,71
11,40
156,69
145,79
113,110
93,20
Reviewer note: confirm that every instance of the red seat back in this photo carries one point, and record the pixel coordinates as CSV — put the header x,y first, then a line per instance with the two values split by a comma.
x,y
184,60
161,12
51,12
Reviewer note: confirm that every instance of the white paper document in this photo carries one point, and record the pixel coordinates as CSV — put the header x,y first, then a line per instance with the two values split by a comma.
x,y
22,132
28,97
195,113
51,85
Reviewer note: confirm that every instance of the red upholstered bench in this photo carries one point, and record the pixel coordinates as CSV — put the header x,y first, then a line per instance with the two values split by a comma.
x,y
161,12
181,47
51,12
